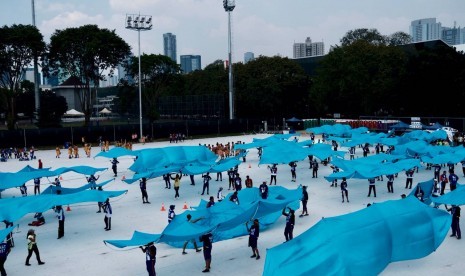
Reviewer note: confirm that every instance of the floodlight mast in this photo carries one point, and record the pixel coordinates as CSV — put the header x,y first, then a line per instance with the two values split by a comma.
x,y
138,22
229,6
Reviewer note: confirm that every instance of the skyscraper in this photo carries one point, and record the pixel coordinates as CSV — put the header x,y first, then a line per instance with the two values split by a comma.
x,y
425,29
190,63
308,49
248,56
169,46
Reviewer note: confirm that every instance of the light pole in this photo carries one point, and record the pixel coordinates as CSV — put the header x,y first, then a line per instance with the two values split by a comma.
x,y
137,22
36,70
229,6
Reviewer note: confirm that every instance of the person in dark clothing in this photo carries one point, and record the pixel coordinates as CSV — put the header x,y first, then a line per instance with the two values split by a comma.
x,y
167,177
191,176
4,251
254,232
293,171
99,204
238,183
444,180
290,221
274,172
344,190
114,164
61,221
150,257
390,182
189,219
234,198
211,202
206,183
409,180
437,171
9,238
455,212
304,201
371,186
231,176
248,182
143,190
32,247
40,220
263,190
315,169
92,181
453,178
207,240
171,213
219,175
36,185
108,213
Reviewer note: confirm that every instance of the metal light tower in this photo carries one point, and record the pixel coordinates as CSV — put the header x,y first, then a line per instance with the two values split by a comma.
x,y
36,70
229,6
137,22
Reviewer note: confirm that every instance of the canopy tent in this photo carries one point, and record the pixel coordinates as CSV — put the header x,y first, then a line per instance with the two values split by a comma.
x,y
105,111
386,232
73,113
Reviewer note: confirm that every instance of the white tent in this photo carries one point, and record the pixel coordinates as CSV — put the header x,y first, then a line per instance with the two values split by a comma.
x,y
73,113
105,111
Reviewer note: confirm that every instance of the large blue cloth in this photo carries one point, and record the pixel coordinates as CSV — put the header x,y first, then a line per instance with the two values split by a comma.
x,y
52,189
363,242
117,152
5,232
225,220
455,197
12,209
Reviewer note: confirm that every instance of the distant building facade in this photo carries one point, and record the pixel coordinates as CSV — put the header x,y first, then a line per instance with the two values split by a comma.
x,y
190,63
308,49
248,56
428,29
169,46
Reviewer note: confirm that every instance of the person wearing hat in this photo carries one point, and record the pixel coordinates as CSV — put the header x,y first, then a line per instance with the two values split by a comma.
x,y
150,257
290,221
304,201
263,190
171,213
254,232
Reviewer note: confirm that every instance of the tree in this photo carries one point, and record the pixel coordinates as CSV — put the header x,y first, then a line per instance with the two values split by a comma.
x,y
399,38
158,74
52,109
87,53
371,36
18,46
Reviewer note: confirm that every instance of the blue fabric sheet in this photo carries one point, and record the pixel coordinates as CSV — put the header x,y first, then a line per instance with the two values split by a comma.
x,y
455,197
117,152
363,242
225,220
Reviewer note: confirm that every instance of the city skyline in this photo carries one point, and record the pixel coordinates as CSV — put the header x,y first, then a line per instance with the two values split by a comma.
x,y
266,28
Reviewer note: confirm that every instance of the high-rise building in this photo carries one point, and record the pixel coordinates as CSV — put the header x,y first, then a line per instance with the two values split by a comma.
x,y
308,49
190,63
122,72
169,46
248,56
451,36
425,29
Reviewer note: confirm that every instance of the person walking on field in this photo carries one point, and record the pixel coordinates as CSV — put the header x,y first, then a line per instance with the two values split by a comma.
x,y
114,166
274,172
189,217
177,184
206,183
150,257
254,232
207,240
4,251
32,247
304,201
108,212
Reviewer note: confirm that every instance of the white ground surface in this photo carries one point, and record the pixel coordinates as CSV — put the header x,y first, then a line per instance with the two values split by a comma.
x,y
82,251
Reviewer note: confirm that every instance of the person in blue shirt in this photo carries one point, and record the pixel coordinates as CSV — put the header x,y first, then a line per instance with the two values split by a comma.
x,y
207,240
150,257
254,232
290,221
453,178
171,213
206,183
4,251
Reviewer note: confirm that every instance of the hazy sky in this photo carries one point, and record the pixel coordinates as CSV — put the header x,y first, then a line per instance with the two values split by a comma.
x,y
263,27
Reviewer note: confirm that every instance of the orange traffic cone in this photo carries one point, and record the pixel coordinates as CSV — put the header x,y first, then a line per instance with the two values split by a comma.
x,y
163,207
185,206
68,209
123,178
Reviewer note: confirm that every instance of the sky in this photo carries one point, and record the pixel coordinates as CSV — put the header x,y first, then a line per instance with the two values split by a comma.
x,y
82,252
265,28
